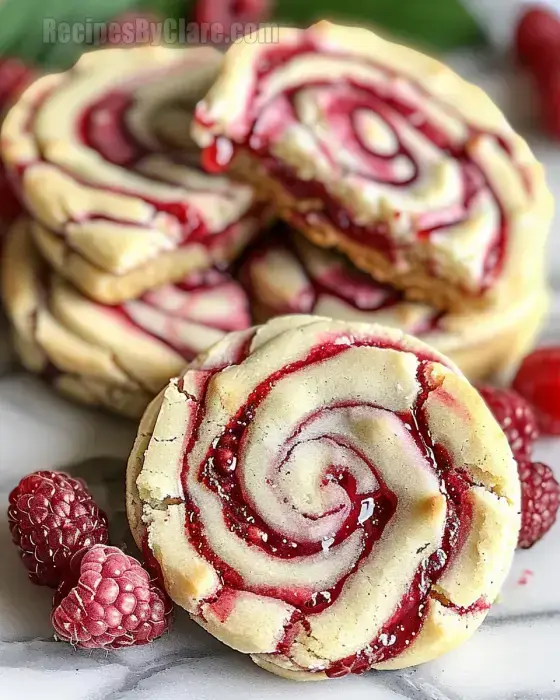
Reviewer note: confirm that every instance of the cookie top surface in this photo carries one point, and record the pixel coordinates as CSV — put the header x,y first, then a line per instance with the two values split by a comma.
x,y
313,488
392,151
103,158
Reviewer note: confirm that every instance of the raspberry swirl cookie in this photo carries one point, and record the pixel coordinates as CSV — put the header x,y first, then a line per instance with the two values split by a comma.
x,y
102,159
386,154
116,357
286,274
326,496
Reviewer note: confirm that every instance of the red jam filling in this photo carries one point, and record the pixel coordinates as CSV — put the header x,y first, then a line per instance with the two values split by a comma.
x,y
352,97
170,334
219,472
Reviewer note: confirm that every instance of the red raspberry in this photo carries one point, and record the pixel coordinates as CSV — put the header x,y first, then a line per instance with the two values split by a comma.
x,y
516,419
538,381
15,76
232,12
10,207
540,498
538,31
109,602
52,516
548,86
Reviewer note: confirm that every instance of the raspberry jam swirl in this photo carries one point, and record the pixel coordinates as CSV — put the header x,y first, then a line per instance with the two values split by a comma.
x,y
102,157
191,315
143,342
378,145
285,274
309,504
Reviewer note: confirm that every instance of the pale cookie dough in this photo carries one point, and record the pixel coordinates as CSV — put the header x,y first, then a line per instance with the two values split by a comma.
x,y
104,164
286,274
326,496
116,357
386,154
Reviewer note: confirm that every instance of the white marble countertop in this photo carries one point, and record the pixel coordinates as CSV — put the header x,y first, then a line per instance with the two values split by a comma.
x,y
513,657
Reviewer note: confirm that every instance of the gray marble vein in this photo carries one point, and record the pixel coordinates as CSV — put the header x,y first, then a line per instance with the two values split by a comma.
x,y
552,616
410,684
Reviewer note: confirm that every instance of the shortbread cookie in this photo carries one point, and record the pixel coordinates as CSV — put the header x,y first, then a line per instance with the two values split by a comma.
x,y
386,154
286,274
117,357
104,163
326,496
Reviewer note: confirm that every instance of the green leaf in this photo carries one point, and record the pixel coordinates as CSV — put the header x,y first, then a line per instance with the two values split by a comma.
x,y
165,8
15,19
24,32
438,24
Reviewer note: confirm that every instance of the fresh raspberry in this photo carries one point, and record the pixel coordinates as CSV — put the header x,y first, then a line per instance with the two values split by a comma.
x,y
540,498
516,419
549,95
109,602
15,76
547,82
538,31
230,12
10,207
538,381
51,517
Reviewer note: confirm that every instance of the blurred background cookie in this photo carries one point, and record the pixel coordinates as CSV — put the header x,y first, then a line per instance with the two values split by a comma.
x,y
286,274
117,357
102,160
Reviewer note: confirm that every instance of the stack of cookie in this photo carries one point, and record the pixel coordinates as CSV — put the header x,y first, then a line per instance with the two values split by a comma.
x,y
410,200
327,495
118,273
385,155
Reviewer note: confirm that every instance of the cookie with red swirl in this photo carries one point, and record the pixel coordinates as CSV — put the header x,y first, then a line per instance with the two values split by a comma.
x,y
386,154
117,357
326,496
287,274
104,164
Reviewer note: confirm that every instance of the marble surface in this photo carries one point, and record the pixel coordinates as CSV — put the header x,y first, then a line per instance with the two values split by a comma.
x,y
513,657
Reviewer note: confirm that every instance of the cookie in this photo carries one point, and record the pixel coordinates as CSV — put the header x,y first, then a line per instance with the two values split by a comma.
x,y
387,155
104,164
286,274
326,496
116,357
